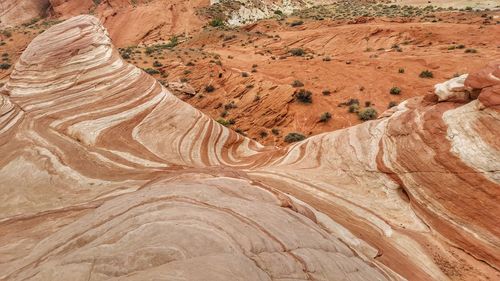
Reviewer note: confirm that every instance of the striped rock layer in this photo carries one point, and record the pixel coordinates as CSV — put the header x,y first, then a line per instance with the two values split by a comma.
x,y
105,174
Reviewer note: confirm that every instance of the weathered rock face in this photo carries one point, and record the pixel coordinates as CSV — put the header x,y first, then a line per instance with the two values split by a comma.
x,y
14,12
105,174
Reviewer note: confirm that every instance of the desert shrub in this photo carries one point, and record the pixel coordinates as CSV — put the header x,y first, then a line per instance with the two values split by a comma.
x,y
149,50
294,137
354,108
368,103
426,74
279,13
244,74
326,92
395,91
275,131
223,122
263,134
209,88
298,52
157,64
368,113
401,70
327,59
217,22
304,96
151,71
186,72
325,117
7,33
296,23
352,101
471,51
392,104
297,83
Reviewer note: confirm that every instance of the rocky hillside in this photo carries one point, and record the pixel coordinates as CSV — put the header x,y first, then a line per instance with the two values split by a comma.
x,y
106,174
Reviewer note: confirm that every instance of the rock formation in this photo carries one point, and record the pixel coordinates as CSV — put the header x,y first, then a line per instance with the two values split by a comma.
x,y
105,174
14,12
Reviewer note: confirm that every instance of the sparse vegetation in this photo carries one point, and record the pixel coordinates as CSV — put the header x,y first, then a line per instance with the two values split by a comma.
x,y
217,22
297,84
368,113
354,108
209,88
426,74
325,117
395,91
294,137
303,96
223,122
298,52
392,104
296,23
157,64
151,71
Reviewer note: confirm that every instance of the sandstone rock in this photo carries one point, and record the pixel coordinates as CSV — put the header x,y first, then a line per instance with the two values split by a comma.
x,y
452,90
105,174
184,88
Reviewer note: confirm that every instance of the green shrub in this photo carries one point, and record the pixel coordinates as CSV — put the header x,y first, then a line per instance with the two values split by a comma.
x,y
303,96
217,22
7,33
392,104
151,71
209,88
297,84
354,108
395,91
294,137
223,122
298,52
426,74
368,113
325,117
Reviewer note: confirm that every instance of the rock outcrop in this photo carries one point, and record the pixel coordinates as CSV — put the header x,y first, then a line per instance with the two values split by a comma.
x,y
14,12
107,175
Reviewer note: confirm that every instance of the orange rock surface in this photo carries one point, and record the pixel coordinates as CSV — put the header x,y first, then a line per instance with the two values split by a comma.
x,y
105,175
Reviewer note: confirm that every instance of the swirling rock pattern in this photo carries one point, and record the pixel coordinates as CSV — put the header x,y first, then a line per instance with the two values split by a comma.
x,y
106,175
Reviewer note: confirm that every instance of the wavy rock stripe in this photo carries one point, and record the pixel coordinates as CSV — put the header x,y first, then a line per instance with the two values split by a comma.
x,y
106,175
